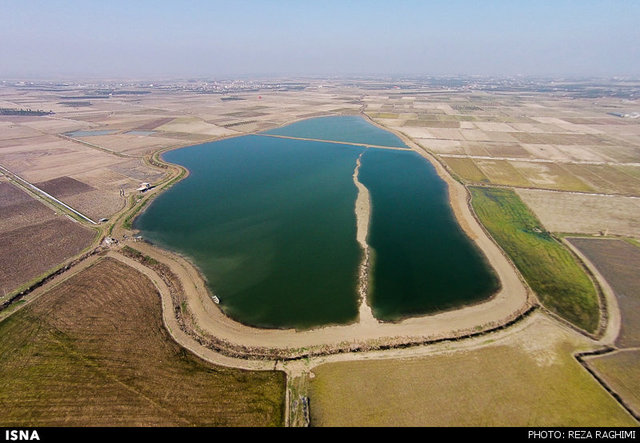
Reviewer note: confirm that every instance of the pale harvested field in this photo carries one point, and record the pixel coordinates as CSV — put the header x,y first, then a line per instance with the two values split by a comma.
x,y
618,262
584,213
502,172
550,176
48,159
528,378
621,372
511,150
132,144
194,125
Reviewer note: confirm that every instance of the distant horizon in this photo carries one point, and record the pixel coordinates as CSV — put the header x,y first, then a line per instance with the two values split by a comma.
x,y
260,39
316,77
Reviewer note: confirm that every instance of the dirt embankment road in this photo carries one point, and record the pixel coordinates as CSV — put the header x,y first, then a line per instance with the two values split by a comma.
x,y
512,299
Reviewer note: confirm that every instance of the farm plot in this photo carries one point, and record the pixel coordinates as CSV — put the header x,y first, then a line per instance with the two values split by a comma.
x,y
466,169
621,372
618,262
605,178
529,379
550,176
560,282
502,172
584,213
33,238
94,352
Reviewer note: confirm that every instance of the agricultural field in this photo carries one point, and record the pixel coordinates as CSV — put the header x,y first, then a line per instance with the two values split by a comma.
x,y
118,131
502,172
466,169
620,370
618,261
561,284
93,351
608,179
527,141
530,379
33,238
584,213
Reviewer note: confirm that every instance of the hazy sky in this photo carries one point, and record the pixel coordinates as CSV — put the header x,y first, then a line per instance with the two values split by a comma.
x,y
140,38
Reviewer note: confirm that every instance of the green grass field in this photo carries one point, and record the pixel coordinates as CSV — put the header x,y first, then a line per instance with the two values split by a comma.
x,y
93,352
561,284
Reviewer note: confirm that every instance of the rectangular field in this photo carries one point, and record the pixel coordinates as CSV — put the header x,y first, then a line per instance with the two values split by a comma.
x,y
621,372
93,352
561,284
550,176
502,172
536,382
619,263
466,169
584,213
33,238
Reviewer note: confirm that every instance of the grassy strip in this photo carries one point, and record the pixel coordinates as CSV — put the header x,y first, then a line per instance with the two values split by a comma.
x,y
144,259
550,269
128,221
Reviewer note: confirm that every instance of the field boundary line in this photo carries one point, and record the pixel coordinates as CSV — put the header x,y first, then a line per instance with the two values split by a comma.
x,y
582,358
45,194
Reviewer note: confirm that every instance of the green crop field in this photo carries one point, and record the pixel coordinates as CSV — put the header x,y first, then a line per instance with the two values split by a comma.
x,y
93,352
561,284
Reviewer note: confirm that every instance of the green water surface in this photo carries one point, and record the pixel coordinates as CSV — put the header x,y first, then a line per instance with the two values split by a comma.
x,y
271,224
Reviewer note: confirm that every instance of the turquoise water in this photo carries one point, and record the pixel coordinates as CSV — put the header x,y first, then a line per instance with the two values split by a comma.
x,y
352,129
271,224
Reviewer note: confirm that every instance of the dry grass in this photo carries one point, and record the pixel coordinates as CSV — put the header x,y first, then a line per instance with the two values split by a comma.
x,y
93,352
501,172
607,179
586,214
621,372
550,176
530,383
466,169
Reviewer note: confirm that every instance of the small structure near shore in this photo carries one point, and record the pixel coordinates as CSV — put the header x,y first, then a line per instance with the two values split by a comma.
x,y
144,187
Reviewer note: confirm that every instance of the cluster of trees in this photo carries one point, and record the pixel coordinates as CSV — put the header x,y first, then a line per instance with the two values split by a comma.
x,y
13,111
